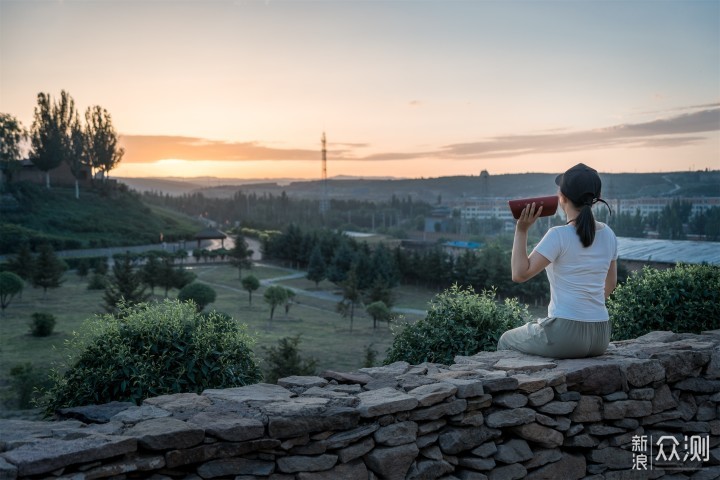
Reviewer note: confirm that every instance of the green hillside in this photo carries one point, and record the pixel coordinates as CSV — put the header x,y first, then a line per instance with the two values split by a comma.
x,y
100,218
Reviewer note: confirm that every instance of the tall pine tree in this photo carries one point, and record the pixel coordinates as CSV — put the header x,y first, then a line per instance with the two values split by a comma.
x,y
240,255
48,269
316,266
125,283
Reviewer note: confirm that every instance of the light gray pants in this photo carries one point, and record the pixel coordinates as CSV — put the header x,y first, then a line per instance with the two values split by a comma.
x,y
558,338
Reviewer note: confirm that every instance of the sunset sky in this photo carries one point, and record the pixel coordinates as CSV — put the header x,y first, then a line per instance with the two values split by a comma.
x,y
428,88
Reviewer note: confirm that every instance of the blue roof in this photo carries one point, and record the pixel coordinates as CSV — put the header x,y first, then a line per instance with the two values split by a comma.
x,y
458,244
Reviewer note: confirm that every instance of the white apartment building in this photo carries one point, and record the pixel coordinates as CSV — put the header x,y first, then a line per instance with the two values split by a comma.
x,y
486,208
648,205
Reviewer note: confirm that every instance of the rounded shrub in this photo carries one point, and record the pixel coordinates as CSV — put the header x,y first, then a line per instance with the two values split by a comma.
x,y
199,293
152,349
42,324
684,299
459,322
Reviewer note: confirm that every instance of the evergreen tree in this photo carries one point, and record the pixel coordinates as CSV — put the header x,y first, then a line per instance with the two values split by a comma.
x,y
240,255
22,263
351,296
250,283
284,360
48,269
316,266
124,284
151,272
342,261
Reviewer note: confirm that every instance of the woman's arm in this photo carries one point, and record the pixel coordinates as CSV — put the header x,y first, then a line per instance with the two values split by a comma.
x,y
524,267
611,279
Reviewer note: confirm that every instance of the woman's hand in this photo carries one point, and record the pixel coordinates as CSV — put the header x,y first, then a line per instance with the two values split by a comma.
x,y
528,217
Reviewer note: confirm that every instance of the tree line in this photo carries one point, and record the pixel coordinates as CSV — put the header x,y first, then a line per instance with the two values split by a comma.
x,y
268,211
58,136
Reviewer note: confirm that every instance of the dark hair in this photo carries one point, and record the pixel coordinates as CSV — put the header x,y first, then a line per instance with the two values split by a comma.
x,y
585,223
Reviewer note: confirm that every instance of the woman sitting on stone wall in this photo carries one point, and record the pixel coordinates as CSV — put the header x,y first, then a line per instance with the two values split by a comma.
x,y
580,259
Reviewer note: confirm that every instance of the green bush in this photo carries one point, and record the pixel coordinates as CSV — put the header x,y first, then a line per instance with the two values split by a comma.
x,y
681,299
284,360
459,322
97,282
152,349
199,293
42,324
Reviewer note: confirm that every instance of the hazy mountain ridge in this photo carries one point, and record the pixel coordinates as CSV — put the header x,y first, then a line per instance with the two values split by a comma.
x,y
616,185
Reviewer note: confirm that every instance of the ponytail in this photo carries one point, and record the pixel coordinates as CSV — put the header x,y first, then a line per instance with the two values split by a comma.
x,y
585,225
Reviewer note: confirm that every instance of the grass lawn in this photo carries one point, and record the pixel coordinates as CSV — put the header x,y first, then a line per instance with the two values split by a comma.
x,y
325,335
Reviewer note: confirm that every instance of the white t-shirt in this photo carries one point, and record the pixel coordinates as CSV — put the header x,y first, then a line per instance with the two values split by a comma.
x,y
577,274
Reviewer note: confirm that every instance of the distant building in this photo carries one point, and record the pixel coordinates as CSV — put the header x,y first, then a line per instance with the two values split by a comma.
x,y
61,175
439,220
638,252
650,205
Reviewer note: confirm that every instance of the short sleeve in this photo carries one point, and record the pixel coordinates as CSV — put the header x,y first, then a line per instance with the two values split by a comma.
x,y
550,247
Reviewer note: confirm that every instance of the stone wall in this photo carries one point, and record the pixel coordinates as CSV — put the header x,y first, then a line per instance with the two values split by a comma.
x,y
496,415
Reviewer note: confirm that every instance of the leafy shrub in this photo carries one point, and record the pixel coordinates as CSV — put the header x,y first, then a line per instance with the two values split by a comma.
x,y
42,324
97,282
284,360
459,322
681,299
199,293
152,349
25,381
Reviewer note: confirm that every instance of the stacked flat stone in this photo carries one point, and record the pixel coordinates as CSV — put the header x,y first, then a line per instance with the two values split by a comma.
x,y
494,415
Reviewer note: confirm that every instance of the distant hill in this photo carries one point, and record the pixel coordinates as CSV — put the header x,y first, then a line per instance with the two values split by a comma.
x,y
100,218
616,185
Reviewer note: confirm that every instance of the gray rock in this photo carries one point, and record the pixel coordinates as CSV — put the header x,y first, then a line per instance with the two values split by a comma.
x,y
8,471
347,378
592,375
543,436
477,463
227,426
529,383
473,419
433,393
343,439
345,471
130,463
511,400
603,430
384,401
302,463
482,401
95,413
260,393
456,440
466,388
713,368
235,466
301,381
508,418
582,441
680,364
500,384
392,463
356,450
615,458
663,399
627,423
626,408
558,408
706,411
541,397
527,364
485,450
394,369
433,452
543,456
205,452
698,385
428,427
569,396
396,434
615,396
429,469
435,412
642,394
181,405
135,414
569,467
642,372
467,475
508,472
588,409
343,388
545,420
334,418
166,434
513,451
48,455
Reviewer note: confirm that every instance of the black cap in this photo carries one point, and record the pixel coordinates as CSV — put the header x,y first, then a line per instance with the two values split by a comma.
x,y
581,184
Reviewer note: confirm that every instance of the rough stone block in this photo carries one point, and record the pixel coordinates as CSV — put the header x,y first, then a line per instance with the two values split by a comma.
x,y
529,383
477,463
639,372
456,440
698,385
513,451
392,463
343,439
346,471
302,381
542,457
508,418
433,393
51,454
375,403
95,413
569,467
592,375
302,463
558,408
235,466
334,418
613,457
227,426
356,450
510,400
396,434
466,388
543,436
426,469
642,394
394,369
260,393
202,453
500,384
663,399
527,364
680,364
626,408
440,410
541,397
485,450
508,472
166,434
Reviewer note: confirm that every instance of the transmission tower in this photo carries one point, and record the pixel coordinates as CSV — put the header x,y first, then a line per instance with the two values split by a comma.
x,y
324,201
